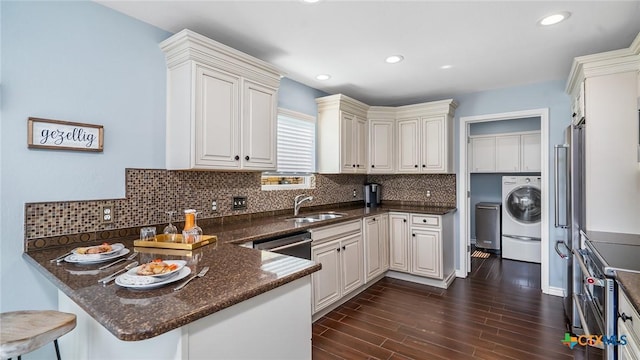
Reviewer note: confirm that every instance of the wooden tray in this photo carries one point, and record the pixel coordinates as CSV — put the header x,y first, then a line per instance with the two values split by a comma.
x,y
161,242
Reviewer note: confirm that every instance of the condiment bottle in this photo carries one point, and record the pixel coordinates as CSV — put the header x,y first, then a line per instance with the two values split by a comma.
x,y
192,233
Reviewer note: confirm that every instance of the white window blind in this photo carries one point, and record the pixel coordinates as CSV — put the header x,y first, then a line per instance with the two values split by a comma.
x,y
296,144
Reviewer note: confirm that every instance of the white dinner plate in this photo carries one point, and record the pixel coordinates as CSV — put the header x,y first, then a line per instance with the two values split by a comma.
x,y
135,281
179,263
114,249
91,259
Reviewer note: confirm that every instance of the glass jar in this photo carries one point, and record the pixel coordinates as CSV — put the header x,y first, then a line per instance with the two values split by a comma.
x,y
191,233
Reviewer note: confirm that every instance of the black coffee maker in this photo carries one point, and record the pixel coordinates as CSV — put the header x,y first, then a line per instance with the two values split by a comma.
x,y
372,195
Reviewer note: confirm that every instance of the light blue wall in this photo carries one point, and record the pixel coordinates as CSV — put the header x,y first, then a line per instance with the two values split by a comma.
x,y
81,62
549,95
295,96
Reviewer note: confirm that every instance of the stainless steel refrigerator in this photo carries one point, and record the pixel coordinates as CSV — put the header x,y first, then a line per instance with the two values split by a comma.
x,y
569,205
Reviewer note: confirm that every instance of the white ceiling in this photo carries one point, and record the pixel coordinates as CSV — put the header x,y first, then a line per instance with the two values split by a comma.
x,y
490,44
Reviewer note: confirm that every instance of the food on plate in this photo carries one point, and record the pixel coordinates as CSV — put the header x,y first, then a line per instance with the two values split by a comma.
x,y
105,247
156,267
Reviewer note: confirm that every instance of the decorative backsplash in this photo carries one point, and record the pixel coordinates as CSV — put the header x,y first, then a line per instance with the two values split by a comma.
x,y
149,193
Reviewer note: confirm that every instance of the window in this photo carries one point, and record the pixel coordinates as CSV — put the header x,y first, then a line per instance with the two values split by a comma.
x,y
296,153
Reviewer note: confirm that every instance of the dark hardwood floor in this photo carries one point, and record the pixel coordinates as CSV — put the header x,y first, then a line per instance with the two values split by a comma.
x,y
498,312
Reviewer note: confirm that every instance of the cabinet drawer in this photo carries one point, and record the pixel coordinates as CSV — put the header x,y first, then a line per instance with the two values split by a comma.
x,y
633,325
323,234
428,220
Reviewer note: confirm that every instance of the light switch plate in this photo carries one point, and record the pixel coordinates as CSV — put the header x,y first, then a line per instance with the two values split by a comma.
x,y
239,203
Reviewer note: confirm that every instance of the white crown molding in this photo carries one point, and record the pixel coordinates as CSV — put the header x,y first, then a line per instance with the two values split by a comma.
x,y
342,102
429,108
605,63
188,45
382,113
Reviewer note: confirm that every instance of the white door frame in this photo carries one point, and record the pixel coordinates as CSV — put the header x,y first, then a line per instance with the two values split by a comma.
x,y
464,179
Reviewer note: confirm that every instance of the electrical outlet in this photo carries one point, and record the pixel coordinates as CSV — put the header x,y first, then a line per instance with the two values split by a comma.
x,y
354,193
214,205
239,203
428,193
107,214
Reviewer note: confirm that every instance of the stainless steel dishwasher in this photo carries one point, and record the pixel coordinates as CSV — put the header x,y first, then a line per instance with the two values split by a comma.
x,y
298,245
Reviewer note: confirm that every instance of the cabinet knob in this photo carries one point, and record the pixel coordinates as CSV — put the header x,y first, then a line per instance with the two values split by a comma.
x,y
624,317
573,115
374,219
373,166
354,165
414,235
424,166
237,157
404,220
344,248
246,157
358,165
338,249
424,220
415,166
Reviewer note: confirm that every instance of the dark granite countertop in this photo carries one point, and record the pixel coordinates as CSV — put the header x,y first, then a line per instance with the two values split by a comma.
x,y
266,227
630,284
236,274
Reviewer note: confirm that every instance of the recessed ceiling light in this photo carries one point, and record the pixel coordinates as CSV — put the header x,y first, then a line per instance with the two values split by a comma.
x,y
310,1
394,59
445,67
554,18
323,77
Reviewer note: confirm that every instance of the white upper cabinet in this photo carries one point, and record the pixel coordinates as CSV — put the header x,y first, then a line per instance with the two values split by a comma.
x,y
606,86
505,153
342,135
424,137
221,106
508,153
381,140
530,147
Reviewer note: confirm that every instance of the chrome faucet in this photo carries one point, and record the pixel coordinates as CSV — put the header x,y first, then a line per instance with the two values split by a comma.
x,y
297,202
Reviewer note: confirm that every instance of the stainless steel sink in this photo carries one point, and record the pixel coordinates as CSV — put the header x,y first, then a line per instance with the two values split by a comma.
x,y
316,217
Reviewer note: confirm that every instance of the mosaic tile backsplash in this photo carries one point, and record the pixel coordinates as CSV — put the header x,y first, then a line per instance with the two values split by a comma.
x,y
149,193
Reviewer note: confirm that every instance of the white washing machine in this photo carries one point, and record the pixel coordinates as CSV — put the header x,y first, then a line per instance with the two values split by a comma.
x,y
521,215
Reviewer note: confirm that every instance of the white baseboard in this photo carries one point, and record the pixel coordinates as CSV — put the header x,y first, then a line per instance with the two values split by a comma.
x,y
443,284
555,291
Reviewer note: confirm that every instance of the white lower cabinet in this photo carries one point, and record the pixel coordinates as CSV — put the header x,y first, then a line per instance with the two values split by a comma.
x,y
339,250
421,244
399,241
426,253
376,246
628,329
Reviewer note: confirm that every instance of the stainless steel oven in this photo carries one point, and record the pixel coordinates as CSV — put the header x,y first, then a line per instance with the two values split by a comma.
x,y
596,302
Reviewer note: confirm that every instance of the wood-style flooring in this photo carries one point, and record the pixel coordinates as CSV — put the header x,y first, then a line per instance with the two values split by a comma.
x,y
498,312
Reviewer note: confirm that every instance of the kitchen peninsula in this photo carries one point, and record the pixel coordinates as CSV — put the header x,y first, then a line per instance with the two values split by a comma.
x,y
251,304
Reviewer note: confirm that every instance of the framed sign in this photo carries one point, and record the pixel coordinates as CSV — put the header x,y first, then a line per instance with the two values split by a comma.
x,y
64,135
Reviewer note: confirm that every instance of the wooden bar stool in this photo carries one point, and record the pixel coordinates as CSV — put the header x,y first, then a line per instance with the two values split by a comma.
x,y
25,331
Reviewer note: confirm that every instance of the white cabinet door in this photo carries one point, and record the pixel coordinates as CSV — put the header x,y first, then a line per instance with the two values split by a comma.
x,y
259,126
383,233
408,146
426,253
372,248
530,145
351,261
483,154
508,153
347,156
381,146
359,145
217,119
433,146
399,241
326,282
